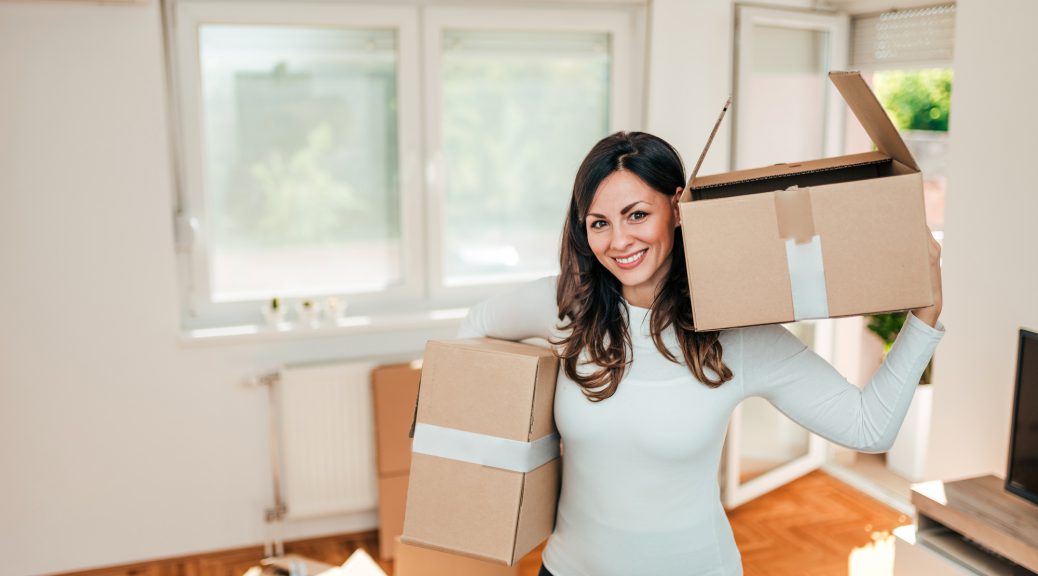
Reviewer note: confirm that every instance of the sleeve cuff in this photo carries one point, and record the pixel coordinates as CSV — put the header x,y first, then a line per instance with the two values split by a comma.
x,y
936,330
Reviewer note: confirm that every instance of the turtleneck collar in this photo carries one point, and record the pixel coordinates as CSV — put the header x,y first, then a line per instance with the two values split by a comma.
x,y
640,323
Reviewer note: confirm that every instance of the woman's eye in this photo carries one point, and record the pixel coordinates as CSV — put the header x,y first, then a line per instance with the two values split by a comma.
x,y
595,224
638,215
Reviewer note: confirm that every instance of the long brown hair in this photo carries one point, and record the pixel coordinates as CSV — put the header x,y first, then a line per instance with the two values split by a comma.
x,y
590,297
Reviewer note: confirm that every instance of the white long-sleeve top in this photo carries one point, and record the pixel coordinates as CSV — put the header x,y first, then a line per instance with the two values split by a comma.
x,y
640,495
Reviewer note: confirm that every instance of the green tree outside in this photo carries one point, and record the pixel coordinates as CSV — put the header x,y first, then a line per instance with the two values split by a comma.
x,y
916,99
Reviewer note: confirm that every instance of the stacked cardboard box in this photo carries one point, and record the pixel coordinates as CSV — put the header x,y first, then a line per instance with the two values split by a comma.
x,y
485,472
420,561
395,391
816,239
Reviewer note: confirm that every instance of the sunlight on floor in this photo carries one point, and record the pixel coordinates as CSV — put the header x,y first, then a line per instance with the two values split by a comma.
x,y
873,559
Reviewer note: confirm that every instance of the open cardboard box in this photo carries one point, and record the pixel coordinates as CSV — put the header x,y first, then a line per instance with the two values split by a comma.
x,y
817,239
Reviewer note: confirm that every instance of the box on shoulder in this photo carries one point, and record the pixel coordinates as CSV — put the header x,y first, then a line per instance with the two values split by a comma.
x,y
485,469
823,238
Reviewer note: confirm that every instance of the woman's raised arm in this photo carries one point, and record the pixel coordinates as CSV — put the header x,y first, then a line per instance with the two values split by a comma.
x,y
802,385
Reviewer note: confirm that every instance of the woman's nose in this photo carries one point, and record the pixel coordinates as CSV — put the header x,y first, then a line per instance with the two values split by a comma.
x,y
621,240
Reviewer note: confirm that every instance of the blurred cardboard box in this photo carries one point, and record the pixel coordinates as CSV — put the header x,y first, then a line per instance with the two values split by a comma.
x,y
394,388
485,471
392,497
394,392
419,561
817,239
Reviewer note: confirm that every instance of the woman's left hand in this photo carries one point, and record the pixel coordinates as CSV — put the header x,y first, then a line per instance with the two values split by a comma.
x,y
931,313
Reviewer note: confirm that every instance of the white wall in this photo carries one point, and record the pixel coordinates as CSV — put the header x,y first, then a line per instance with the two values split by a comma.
x,y
990,257
117,442
690,76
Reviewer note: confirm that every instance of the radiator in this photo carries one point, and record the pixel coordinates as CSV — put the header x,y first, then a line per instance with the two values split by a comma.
x,y
323,439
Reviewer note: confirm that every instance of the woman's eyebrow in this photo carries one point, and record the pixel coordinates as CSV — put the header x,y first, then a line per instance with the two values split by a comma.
x,y
622,212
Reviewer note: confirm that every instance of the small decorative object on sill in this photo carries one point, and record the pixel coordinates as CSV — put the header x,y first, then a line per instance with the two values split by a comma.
x,y
309,312
335,309
274,311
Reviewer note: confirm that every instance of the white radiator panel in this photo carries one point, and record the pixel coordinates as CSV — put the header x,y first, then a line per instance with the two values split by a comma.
x,y
327,439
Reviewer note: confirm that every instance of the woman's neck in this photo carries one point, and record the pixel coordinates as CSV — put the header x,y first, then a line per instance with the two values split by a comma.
x,y
643,295
639,298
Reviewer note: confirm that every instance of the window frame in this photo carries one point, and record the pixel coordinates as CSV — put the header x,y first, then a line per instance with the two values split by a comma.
x,y
418,27
199,309
620,22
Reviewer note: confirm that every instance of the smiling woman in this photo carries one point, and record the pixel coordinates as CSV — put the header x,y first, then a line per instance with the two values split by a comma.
x,y
622,241
643,401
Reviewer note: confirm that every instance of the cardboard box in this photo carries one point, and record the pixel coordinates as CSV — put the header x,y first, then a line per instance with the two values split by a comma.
x,y
394,389
392,498
817,239
485,471
419,561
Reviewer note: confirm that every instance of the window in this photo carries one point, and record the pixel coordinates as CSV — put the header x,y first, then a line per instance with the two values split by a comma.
x,y
906,56
919,103
506,96
301,160
325,155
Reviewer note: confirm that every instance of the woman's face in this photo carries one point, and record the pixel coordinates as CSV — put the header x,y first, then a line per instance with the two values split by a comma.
x,y
630,227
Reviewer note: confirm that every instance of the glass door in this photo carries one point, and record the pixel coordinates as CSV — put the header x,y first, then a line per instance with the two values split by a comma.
x,y
785,110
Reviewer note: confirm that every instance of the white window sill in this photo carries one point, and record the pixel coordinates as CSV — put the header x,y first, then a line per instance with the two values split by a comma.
x,y
350,325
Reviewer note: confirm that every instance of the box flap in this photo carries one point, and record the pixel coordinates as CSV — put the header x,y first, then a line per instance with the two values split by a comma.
x,y
783,170
873,118
542,413
686,194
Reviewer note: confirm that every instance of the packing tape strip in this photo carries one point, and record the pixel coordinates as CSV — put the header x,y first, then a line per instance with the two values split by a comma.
x,y
484,449
803,253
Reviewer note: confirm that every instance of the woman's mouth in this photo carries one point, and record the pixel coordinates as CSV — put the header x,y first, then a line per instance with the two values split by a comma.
x,y
628,262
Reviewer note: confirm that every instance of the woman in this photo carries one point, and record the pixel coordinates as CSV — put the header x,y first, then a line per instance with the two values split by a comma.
x,y
643,402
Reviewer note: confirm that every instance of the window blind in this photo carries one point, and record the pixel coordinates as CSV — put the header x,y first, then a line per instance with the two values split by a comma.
x,y
903,37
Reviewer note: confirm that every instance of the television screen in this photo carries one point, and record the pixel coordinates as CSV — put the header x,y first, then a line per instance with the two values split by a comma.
x,y
1022,478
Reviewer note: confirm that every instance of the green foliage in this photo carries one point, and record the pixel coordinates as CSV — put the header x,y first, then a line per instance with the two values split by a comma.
x,y
917,99
301,200
887,326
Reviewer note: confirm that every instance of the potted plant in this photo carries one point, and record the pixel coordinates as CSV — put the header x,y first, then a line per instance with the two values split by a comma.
x,y
274,311
309,312
907,456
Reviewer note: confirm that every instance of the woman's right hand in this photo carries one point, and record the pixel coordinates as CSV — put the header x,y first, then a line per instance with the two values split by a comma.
x,y
930,314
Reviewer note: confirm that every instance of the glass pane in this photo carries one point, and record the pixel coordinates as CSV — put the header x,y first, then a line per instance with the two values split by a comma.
x,y
919,103
768,438
301,167
781,104
520,111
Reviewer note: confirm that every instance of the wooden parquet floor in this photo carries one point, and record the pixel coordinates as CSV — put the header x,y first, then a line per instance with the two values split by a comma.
x,y
814,526
811,526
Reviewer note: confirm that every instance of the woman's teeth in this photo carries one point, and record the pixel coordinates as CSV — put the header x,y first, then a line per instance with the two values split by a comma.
x,y
631,258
